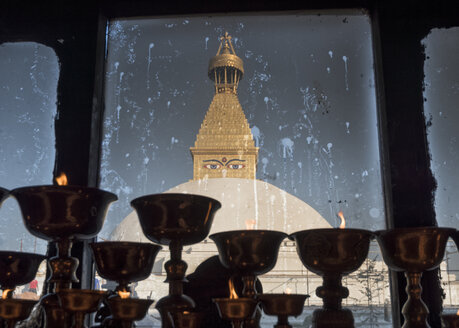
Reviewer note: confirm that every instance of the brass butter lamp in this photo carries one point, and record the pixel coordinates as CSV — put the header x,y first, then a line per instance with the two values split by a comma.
x,y
249,253
175,220
282,306
80,302
187,319
13,310
413,251
62,214
16,269
125,262
450,321
332,254
238,310
127,310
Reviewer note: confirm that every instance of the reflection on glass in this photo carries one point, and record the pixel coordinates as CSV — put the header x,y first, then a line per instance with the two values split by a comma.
x,y
442,117
286,147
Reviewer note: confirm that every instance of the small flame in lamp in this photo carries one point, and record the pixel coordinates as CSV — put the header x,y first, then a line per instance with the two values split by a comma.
x,y
61,180
233,294
250,224
5,293
457,313
124,294
343,221
288,291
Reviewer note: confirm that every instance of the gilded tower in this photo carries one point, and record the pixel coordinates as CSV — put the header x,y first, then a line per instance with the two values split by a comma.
x,y
224,146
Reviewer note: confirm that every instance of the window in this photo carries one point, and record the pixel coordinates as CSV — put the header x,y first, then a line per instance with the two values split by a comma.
x,y
308,96
441,96
27,110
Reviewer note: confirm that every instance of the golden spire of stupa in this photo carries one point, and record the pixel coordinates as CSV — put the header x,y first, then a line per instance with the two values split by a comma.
x,y
224,146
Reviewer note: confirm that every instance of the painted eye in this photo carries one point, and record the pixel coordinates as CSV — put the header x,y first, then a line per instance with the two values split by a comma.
x,y
236,166
212,166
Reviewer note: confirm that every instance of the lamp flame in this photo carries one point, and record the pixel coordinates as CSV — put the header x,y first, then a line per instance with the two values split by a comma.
x,y
343,221
123,294
233,294
288,291
5,293
250,224
457,313
62,179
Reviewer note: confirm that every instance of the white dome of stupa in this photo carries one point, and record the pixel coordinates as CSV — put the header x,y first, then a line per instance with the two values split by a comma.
x,y
244,201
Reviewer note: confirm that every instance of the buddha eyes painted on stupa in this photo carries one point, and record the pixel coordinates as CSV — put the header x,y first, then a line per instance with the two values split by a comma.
x,y
215,164
212,166
236,166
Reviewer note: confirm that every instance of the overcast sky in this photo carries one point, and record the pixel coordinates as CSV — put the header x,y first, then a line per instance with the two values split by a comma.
x,y
28,88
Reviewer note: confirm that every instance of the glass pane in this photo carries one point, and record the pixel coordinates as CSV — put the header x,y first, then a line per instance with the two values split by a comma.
x,y
28,80
308,99
441,97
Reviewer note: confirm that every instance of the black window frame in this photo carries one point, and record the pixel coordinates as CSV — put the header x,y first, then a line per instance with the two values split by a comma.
x,y
76,31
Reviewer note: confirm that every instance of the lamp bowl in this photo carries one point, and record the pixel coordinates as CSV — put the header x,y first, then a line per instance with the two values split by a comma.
x,y
449,321
413,249
16,309
332,251
124,261
187,319
183,218
248,251
17,268
54,212
80,300
128,309
283,304
236,309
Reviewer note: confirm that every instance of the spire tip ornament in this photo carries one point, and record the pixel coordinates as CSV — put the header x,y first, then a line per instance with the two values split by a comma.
x,y
226,68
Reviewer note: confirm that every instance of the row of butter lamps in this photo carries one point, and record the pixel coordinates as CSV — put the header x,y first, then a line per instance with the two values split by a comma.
x,y
62,214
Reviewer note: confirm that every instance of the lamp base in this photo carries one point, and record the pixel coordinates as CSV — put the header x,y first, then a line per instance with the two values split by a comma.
x,y
324,318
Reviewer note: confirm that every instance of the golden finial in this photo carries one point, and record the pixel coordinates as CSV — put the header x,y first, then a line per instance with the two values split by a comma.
x,y
226,68
225,40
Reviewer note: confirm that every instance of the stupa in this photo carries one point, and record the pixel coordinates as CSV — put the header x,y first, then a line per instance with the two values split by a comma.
x,y
224,168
